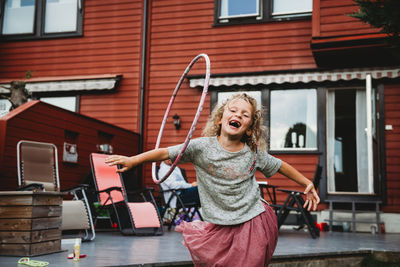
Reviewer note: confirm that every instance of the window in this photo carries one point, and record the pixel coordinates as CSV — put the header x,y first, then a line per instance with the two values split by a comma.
x,y
225,95
292,116
237,8
347,141
66,102
70,103
250,11
283,8
5,106
293,119
36,19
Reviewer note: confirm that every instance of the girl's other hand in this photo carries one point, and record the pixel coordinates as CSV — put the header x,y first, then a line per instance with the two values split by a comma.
x,y
312,198
125,162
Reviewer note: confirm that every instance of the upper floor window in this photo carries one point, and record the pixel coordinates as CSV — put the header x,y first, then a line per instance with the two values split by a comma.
x,y
248,11
239,8
291,8
36,19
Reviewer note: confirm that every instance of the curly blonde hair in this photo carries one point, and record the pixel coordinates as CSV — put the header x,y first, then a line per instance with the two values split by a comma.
x,y
257,140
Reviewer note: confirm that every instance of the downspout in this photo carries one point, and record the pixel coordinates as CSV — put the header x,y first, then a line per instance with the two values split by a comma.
x,y
143,83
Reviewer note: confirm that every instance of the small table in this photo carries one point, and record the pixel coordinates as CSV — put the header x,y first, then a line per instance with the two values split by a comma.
x,y
30,223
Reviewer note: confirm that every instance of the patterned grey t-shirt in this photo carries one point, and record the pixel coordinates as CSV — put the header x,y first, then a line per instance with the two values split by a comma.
x,y
228,190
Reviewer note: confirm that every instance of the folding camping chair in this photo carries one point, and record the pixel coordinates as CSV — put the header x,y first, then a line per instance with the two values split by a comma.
x,y
270,191
295,202
138,218
189,209
38,170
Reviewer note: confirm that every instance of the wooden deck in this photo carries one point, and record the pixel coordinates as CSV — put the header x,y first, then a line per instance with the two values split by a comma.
x,y
113,249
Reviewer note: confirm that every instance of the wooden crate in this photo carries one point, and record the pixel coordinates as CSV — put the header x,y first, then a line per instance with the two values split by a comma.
x,y
30,223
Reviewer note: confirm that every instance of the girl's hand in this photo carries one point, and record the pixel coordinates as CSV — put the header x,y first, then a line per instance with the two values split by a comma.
x,y
312,198
129,162
126,163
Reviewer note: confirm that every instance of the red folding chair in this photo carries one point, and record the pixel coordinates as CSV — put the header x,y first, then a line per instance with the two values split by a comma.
x,y
132,217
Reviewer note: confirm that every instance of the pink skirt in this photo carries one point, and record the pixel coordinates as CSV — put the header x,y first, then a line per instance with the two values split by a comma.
x,y
251,243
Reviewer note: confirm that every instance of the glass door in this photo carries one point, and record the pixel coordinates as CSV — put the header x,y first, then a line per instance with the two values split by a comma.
x,y
350,134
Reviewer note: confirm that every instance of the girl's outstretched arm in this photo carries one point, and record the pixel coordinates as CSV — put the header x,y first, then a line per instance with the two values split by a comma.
x,y
312,198
130,162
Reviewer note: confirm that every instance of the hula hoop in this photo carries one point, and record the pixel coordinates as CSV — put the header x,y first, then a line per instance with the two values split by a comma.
x,y
194,123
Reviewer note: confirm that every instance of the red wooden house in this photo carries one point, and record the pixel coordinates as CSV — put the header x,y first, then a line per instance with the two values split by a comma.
x,y
75,136
306,61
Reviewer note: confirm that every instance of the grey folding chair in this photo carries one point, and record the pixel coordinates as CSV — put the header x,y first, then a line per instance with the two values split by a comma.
x,y
37,164
189,209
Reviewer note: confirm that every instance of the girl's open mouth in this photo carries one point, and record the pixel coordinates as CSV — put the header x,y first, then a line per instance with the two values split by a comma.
x,y
235,123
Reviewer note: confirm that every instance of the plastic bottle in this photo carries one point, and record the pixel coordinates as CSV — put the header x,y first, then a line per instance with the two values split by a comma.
x,y
77,249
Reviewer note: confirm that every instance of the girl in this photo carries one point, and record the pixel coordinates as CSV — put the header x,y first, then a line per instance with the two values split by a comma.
x,y
239,229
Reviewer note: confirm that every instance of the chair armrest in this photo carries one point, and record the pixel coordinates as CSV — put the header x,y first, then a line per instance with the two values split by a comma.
x,y
31,187
169,190
173,191
290,191
140,191
276,206
108,190
265,185
75,188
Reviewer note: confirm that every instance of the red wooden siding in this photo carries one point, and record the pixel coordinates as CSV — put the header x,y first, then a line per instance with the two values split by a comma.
x,y
334,19
111,43
38,121
180,30
392,117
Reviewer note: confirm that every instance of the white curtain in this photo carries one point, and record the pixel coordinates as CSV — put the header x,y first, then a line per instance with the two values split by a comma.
x,y
311,119
224,8
331,141
361,142
291,6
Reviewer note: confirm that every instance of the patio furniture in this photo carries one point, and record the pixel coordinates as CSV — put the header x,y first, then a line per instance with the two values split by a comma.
x,y
133,218
354,212
37,165
270,191
189,209
295,202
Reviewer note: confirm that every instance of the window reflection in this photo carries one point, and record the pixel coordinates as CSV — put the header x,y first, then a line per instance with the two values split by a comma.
x,y
232,8
225,95
67,102
61,16
293,119
281,7
19,16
